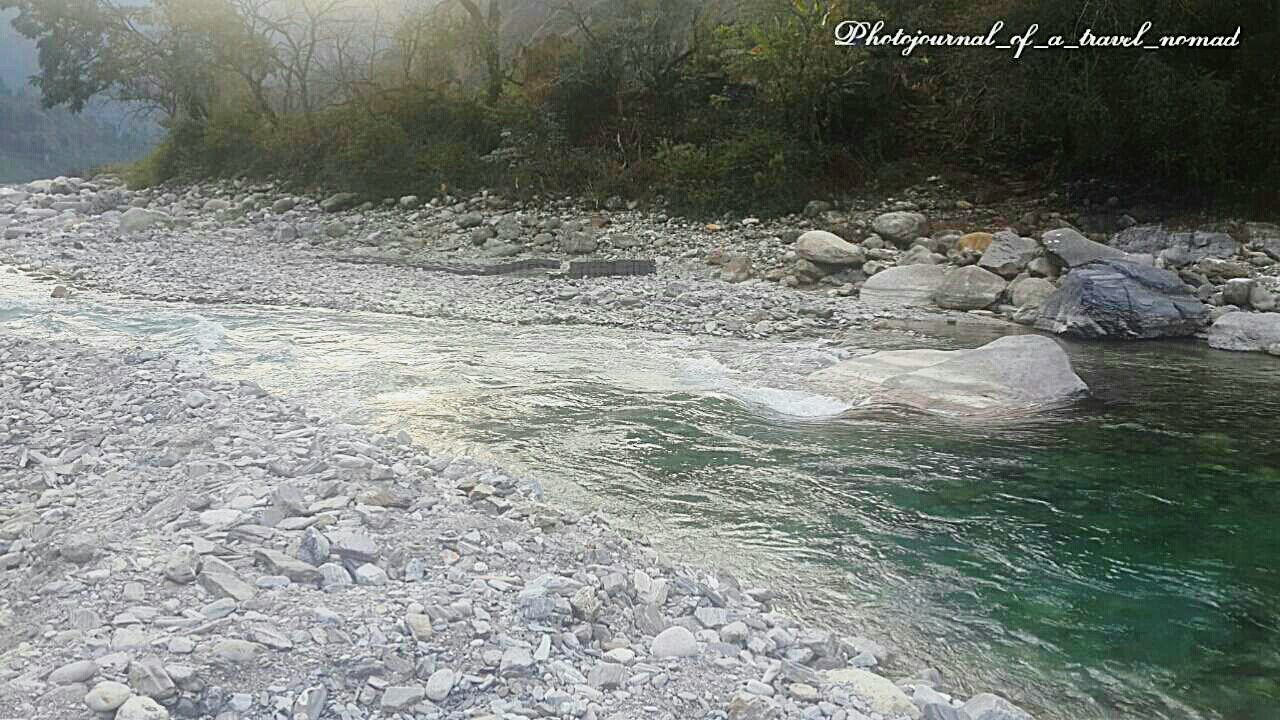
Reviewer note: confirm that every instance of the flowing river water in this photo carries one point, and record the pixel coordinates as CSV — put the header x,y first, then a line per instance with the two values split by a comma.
x,y
1116,559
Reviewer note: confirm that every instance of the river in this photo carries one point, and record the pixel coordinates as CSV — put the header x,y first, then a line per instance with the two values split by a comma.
x,y
1116,559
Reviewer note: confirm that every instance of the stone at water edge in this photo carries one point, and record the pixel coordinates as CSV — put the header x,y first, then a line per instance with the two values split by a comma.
x,y
881,694
827,248
1245,332
969,288
1012,374
904,286
1031,291
993,707
1122,300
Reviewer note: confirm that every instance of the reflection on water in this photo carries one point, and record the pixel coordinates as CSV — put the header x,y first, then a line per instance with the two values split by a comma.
x,y
1117,559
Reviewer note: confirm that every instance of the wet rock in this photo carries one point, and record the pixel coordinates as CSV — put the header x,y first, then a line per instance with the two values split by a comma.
x,y
1118,299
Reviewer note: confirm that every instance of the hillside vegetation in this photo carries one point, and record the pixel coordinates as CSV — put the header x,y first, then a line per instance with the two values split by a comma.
x,y
745,106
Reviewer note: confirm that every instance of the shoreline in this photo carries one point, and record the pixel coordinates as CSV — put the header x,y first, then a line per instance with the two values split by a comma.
x,y
206,250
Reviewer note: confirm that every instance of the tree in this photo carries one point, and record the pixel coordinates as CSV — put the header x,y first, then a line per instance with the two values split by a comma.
x,y
134,53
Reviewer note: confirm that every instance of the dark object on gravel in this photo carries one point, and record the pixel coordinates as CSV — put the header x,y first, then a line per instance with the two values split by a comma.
x,y
609,268
579,269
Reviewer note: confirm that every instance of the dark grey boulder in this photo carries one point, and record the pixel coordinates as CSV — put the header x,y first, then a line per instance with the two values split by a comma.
x,y
1122,300
1009,254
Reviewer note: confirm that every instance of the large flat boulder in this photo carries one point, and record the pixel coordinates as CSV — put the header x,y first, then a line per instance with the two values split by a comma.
x,y
1123,300
903,286
1246,332
1009,375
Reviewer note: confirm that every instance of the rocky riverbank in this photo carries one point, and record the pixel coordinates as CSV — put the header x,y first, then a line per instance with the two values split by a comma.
x,y
177,546
857,265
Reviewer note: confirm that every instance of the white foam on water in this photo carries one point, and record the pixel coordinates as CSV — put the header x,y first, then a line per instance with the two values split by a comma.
x,y
795,403
711,376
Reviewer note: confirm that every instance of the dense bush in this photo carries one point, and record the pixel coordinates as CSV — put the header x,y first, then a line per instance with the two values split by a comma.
x,y
749,106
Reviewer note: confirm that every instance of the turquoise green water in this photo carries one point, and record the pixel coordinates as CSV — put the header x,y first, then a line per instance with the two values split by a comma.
x,y
1116,559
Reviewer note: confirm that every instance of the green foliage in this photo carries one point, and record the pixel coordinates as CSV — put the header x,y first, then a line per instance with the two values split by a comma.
x,y
747,106
764,171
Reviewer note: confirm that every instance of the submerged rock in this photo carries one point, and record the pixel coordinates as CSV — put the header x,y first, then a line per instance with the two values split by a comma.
x,y
1015,373
1118,299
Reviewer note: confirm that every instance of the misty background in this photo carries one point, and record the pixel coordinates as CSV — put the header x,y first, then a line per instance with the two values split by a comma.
x,y
38,143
